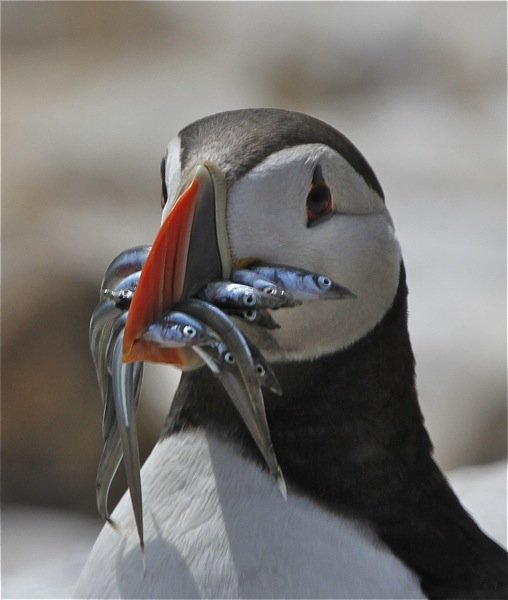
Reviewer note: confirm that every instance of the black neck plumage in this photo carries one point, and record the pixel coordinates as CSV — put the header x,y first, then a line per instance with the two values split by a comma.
x,y
348,432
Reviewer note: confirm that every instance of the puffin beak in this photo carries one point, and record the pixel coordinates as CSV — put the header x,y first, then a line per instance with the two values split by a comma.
x,y
190,250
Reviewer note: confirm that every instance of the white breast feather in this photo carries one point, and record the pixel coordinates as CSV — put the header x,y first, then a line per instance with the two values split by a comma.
x,y
217,526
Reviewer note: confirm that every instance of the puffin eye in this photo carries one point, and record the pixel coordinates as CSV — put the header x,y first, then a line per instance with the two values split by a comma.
x,y
319,200
164,193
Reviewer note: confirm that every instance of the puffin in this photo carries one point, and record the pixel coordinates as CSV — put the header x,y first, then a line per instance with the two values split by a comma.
x,y
368,513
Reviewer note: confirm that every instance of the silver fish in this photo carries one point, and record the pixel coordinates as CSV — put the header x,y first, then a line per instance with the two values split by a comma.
x,y
106,325
176,329
235,361
119,290
103,329
243,386
264,371
238,295
122,298
223,357
123,291
226,369
110,459
260,316
253,279
107,367
103,316
127,262
112,452
106,322
124,393
303,285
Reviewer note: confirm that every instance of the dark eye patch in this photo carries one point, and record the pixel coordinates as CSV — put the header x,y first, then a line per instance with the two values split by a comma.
x,y
164,194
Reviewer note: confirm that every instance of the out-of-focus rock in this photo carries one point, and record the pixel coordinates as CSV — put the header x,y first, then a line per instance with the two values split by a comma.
x,y
51,408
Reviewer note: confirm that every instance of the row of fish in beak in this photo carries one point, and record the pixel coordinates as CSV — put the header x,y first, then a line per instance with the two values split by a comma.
x,y
204,324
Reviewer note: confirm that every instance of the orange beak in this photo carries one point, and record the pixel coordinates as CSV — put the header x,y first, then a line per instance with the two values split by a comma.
x,y
190,250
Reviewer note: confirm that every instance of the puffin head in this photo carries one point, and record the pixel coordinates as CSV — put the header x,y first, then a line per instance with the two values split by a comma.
x,y
277,187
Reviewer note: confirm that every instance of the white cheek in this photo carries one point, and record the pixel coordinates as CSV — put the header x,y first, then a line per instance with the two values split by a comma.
x,y
359,251
363,254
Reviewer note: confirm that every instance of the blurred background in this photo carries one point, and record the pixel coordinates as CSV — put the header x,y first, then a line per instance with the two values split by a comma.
x,y
91,94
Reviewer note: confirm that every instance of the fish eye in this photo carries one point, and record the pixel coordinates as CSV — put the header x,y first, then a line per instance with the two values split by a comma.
x,y
324,282
250,315
260,370
124,298
319,199
189,331
249,299
229,358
